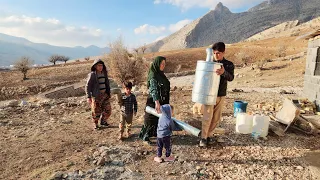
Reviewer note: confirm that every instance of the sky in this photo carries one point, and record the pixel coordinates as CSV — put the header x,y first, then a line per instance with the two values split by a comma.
x,y
99,22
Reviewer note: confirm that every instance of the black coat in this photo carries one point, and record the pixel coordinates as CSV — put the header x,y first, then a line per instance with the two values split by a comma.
x,y
228,75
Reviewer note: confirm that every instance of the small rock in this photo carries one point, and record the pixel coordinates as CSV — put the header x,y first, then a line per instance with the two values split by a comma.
x,y
115,163
104,154
80,173
198,167
64,176
121,169
220,140
271,172
13,103
299,167
101,161
96,154
23,103
57,176
121,163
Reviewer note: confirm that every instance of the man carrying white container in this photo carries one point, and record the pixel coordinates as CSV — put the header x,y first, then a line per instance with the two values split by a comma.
x,y
212,113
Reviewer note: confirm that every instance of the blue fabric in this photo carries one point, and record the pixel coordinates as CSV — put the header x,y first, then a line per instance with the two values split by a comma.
x,y
165,124
166,143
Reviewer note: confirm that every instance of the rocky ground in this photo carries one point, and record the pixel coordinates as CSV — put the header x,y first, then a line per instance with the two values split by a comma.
x,y
54,139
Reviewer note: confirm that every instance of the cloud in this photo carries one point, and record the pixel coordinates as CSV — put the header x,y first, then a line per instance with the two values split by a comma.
x,y
187,4
176,27
150,30
146,28
119,29
159,38
51,31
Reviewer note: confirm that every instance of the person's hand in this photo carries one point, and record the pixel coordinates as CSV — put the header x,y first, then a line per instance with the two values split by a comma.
x,y
89,100
220,71
198,109
157,107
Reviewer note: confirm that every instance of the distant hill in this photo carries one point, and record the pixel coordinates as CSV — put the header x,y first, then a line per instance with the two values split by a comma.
x,y
221,24
12,48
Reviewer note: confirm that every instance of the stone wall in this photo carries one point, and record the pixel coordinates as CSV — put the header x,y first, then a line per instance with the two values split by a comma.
x,y
66,91
312,73
73,90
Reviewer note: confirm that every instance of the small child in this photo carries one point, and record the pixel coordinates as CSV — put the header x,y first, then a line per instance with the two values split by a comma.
x,y
128,108
164,132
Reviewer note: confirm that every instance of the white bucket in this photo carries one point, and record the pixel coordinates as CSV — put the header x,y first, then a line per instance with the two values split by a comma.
x,y
260,125
244,123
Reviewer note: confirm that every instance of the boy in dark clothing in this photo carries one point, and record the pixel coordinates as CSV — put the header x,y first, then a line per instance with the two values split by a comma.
x,y
129,107
98,93
212,113
164,132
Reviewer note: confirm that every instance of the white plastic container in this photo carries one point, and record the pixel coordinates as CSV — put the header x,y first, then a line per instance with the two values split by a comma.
x,y
260,125
244,123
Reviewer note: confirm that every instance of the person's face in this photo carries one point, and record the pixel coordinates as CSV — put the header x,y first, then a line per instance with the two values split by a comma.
x,y
218,56
128,90
162,65
99,67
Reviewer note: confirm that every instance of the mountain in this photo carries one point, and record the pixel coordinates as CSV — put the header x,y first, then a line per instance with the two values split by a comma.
x,y
12,48
221,24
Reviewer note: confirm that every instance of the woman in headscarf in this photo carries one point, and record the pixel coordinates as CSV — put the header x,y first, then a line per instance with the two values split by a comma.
x,y
159,94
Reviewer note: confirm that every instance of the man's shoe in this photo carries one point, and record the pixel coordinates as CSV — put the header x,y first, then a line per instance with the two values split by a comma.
x,y
203,143
211,140
103,123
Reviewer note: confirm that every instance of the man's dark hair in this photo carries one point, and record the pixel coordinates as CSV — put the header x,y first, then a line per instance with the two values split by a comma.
x,y
219,46
128,85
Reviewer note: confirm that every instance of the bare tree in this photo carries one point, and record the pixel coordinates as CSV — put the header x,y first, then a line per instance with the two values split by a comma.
x,y
122,68
23,65
64,59
143,48
136,50
54,58
87,58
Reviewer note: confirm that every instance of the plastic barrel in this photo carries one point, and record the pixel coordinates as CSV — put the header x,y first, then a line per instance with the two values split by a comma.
x,y
239,107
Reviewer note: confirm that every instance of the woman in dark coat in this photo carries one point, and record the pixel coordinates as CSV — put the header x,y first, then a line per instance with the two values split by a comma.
x,y
159,94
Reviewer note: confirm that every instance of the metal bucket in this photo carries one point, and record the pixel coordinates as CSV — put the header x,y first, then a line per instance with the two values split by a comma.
x,y
206,83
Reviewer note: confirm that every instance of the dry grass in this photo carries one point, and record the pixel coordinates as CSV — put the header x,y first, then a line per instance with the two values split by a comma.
x,y
124,67
177,61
